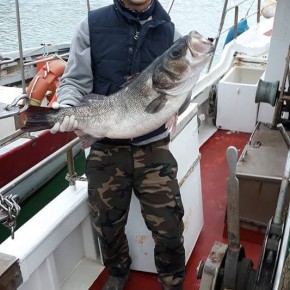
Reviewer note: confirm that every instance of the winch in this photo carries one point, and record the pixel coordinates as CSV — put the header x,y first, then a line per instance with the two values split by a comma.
x,y
227,266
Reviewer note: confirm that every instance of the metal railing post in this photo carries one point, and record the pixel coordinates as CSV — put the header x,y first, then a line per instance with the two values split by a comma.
x,y
70,167
20,47
258,11
236,22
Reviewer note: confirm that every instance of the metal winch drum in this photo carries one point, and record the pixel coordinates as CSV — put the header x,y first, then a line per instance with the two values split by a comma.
x,y
267,92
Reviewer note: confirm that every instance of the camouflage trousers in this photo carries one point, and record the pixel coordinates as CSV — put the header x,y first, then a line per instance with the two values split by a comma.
x,y
150,170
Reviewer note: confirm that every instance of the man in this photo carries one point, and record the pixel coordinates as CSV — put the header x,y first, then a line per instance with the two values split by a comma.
x,y
112,44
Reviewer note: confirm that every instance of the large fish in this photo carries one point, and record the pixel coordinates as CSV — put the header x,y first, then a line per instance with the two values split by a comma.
x,y
142,105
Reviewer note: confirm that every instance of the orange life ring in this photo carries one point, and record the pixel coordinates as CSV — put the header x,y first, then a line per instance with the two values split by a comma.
x,y
46,80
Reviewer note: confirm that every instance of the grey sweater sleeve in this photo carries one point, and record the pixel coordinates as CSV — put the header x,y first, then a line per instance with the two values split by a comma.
x,y
77,79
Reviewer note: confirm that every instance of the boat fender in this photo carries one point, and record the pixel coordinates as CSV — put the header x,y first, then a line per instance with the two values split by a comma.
x,y
45,82
268,8
242,26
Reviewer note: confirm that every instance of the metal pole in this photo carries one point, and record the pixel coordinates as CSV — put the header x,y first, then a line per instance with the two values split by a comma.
x,y
219,33
168,10
279,103
236,22
20,47
259,11
88,5
70,165
278,217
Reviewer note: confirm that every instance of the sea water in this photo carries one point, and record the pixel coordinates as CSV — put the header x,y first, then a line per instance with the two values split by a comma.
x,y
54,21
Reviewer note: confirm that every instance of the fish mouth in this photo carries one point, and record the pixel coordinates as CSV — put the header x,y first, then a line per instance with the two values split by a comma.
x,y
199,45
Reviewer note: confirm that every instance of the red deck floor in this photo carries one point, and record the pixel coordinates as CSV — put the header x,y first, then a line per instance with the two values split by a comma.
x,y
214,172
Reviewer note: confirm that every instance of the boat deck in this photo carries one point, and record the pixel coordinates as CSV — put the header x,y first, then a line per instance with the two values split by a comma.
x,y
214,173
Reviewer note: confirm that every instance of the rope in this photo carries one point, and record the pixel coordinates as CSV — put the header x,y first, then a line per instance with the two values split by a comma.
x,y
190,170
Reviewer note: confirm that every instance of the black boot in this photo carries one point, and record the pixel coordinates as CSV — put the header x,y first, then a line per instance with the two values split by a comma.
x,y
116,282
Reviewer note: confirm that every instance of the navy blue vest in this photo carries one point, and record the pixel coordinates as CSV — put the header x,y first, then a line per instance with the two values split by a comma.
x,y
121,47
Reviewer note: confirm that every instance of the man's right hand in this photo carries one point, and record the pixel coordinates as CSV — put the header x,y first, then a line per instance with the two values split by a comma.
x,y
68,124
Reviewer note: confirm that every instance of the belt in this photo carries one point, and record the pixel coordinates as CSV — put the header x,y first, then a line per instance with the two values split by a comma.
x,y
117,142
124,142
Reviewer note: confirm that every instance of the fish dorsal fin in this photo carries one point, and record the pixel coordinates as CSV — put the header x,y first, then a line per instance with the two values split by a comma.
x,y
90,99
156,105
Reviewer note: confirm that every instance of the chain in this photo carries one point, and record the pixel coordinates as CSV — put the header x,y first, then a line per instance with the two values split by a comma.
x,y
75,177
190,170
9,210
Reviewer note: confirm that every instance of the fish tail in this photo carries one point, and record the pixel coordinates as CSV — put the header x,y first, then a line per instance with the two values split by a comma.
x,y
38,118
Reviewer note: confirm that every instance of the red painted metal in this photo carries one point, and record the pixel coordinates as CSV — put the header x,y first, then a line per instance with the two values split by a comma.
x,y
18,160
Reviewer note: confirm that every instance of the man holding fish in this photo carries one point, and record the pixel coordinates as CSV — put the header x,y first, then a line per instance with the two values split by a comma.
x,y
126,124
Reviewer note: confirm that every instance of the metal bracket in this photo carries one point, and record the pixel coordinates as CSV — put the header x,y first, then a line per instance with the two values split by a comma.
x,y
8,110
211,269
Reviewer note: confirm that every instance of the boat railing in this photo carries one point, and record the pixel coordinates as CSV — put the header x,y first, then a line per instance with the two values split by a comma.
x,y
18,180
6,60
221,29
9,205
12,137
47,58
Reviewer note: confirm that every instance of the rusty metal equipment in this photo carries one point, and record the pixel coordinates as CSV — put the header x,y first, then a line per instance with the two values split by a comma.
x,y
227,266
275,230
284,97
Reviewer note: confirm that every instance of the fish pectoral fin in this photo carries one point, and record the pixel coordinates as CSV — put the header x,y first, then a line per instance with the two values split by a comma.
x,y
156,105
171,123
87,140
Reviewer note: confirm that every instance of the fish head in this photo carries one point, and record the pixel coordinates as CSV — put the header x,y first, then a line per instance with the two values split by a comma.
x,y
179,67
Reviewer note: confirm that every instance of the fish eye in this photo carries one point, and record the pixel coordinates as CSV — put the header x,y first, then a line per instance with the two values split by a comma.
x,y
175,53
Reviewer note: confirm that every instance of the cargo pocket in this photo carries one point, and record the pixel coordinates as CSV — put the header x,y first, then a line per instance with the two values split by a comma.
x,y
94,160
94,212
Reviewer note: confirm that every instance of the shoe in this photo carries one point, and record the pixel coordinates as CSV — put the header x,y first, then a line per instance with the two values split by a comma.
x,y
116,282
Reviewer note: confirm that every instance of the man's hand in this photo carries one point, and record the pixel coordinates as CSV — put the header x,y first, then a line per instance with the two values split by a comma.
x,y
68,124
